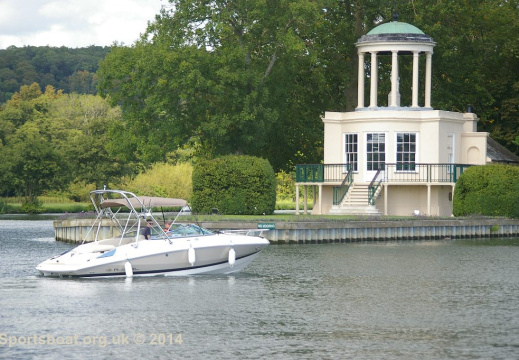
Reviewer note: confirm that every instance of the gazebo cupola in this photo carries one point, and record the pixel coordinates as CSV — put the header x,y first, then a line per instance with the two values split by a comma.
x,y
394,38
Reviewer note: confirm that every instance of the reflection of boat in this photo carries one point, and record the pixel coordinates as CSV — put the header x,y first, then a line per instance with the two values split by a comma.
x,y
184,250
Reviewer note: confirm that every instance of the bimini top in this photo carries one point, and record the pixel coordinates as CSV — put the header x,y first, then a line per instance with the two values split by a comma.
x,y
147,201
395,31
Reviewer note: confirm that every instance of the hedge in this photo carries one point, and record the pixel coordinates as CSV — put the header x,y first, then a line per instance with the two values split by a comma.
x,y
234,185
491,190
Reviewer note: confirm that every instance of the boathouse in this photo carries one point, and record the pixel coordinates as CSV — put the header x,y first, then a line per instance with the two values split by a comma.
x,y
389,158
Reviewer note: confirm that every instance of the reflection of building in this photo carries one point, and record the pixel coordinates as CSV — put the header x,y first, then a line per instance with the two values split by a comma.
x,y
387,158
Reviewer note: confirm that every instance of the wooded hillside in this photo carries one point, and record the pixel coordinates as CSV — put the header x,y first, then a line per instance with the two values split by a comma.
x,y
72,70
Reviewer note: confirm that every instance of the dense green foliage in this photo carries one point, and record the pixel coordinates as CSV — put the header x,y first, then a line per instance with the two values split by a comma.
x,y
162,179
254,77
72,70
49,140
234,185
491,190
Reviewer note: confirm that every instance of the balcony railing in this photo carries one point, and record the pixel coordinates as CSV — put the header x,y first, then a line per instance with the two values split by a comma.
x,y
390,173
321,172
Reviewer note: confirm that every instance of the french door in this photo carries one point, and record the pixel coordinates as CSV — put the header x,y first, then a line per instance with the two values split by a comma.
x,y
375,154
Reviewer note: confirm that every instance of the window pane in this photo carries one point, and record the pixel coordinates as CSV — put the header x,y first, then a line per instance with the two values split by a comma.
x,y
350,148
406,151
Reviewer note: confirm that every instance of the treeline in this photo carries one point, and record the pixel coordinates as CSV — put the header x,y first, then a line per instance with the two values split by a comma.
x,y
72,70
245,78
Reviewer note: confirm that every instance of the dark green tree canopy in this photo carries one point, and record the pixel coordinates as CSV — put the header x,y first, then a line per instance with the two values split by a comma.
x,y
254,77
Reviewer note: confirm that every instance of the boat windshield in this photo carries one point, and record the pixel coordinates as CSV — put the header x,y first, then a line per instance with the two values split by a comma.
x,y
178,230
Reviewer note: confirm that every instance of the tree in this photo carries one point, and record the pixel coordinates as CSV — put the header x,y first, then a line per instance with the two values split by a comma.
x,y
222,73
86,122
50,139
30,165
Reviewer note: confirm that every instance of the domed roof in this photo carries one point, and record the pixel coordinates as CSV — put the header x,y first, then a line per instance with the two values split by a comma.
x,y
395,27
396,31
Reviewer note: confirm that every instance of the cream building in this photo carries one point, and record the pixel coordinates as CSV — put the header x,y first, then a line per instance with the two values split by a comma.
x,y
391,158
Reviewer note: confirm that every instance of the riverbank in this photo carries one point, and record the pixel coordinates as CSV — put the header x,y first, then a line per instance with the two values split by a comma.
x,y
317,231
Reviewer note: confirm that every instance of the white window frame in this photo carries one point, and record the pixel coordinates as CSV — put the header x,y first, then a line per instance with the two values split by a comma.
x,y
402,163
347,153
378,152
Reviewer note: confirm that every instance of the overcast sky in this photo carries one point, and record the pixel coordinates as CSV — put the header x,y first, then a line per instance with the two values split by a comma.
x,y
74,23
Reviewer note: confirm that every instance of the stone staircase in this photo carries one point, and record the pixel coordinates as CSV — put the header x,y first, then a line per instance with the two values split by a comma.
x,y
356,202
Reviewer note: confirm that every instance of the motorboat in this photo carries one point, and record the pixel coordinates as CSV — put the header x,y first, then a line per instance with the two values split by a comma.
x,y
183,249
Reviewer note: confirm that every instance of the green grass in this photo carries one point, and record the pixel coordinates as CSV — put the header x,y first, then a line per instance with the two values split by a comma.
x,y
71,207
290,205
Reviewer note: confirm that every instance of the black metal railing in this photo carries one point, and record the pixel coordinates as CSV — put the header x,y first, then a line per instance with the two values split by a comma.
x,y
390,173
321,172
373,187
339,192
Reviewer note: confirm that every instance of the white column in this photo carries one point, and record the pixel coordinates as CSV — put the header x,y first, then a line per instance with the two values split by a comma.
x,y
416,57
394,79
320,199
374,80
428,199
361,76
297,199
385,198
305,205
428,67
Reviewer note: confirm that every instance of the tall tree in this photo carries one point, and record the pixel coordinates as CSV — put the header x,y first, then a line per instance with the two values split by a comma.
x,y
224,73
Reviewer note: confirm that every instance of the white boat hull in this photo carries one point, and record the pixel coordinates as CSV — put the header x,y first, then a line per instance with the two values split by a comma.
x,y
156,257
152,249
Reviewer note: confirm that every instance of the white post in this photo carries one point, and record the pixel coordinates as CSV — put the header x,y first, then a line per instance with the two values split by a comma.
x,y
297,199
360,89
428,68
394,79
320,199
385,198
416,57
429,199
374,80
305,205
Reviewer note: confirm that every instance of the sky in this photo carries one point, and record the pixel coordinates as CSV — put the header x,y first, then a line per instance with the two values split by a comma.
x,y
74,23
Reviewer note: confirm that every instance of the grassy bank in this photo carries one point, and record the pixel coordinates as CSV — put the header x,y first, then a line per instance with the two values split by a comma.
x,y
60,205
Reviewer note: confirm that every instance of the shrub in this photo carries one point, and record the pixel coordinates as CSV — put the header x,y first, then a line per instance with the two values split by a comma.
x,y
234,185
79,191
163,180
33,206
491,190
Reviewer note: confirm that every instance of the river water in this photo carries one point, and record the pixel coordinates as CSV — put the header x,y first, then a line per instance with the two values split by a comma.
x,y
455,299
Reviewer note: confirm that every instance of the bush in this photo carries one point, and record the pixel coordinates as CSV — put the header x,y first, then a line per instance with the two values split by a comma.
x,y
33,206
234,185
79,191
4,208
163,180
491,190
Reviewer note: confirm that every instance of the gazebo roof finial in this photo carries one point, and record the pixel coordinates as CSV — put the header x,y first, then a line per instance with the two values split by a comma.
x,y
395,15
395,11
